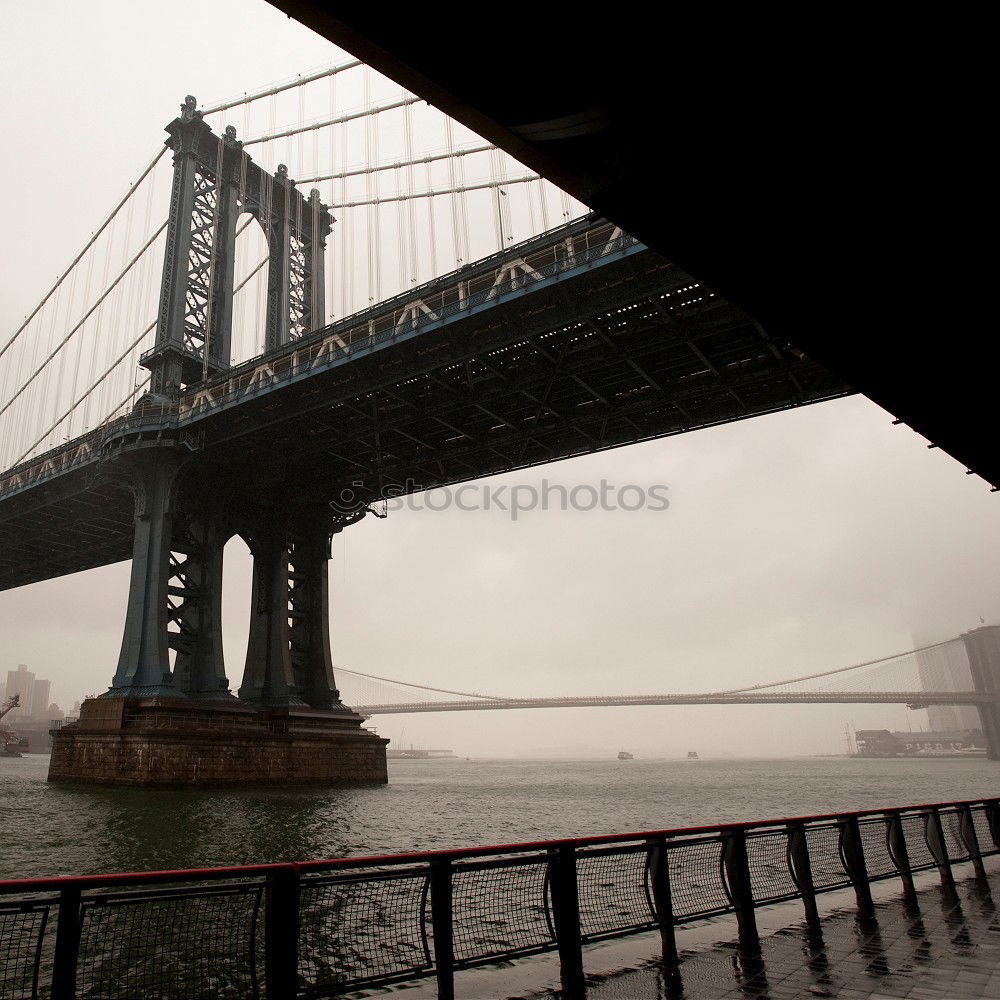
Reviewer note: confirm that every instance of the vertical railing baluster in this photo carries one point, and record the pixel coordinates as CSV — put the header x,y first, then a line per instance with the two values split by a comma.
x,y
566,918
442,924
934,835
801,869
967,831
281,934
659,877
896,842
67,945
852,853
992,810
737,866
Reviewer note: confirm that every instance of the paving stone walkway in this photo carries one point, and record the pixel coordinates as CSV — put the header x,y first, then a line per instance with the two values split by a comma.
x,y
941,949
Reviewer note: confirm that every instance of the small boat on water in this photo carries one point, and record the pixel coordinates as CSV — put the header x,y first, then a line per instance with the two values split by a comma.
x,y
693,755
625,755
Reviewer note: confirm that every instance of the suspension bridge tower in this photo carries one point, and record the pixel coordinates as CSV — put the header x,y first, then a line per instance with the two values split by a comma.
x,y
176,722
983,648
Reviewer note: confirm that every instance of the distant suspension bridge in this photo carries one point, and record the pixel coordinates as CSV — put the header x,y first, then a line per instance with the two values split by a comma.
x,y
936,674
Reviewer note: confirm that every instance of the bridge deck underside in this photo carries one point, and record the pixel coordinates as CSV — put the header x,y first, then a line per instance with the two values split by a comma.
x,y
627,352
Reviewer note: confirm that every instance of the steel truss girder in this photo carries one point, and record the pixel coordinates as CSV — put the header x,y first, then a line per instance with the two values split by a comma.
x,y
194,604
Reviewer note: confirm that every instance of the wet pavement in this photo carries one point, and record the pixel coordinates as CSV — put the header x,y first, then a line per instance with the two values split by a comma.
x,y
943,948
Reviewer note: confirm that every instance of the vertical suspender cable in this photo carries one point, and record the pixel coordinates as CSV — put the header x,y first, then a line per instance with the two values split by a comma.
x,y
76,260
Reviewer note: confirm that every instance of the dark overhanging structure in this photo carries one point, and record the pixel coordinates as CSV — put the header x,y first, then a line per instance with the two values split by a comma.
x,y
819,171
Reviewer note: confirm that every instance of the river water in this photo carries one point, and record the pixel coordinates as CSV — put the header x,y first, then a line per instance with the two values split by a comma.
x,y
62,830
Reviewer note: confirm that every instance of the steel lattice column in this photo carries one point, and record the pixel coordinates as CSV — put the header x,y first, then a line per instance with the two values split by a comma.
x,y
194,612
288,654
144,664
983,647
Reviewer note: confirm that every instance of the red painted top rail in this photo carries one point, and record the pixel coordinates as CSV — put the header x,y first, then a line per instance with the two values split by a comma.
x,y
8,886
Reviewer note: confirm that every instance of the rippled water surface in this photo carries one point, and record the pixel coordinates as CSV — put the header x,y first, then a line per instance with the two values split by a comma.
x,y
61,830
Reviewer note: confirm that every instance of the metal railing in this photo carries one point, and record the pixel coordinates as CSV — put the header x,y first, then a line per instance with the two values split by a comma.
x,y
324,928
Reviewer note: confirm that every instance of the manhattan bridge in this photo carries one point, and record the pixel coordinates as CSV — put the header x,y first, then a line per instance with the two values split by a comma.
x,y
416,310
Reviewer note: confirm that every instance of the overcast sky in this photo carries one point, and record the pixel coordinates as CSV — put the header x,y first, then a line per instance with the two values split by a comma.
x,y
792,543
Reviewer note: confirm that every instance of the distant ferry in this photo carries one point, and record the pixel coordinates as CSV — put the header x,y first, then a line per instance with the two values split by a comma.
x,y
693,755
625,755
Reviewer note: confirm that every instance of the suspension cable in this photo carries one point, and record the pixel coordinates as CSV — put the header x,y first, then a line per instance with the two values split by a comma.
x,y
281,88
93,239
422,687
114,364
62,343
367,112
250,275
395,166
435,194
839,670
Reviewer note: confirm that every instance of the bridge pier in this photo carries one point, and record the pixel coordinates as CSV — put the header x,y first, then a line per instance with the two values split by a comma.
x,y
983,648
155,727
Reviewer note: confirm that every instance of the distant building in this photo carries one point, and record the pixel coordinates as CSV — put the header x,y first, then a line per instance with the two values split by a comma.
x,y
41,692
20,682
946,668
35,695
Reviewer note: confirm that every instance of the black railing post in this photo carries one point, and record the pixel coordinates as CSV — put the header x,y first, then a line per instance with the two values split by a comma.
x,y
801,869
281,934
737,867
442,923
967,830
566,920
67,945
896,842
659,878
852,853
993,821
934,835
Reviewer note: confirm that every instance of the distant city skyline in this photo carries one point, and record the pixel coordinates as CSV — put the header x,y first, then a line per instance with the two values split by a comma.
x,y
34,694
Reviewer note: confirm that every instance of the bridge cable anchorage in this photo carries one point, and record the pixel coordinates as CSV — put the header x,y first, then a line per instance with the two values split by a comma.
x,y
488,185
364,113
6,406
93,239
